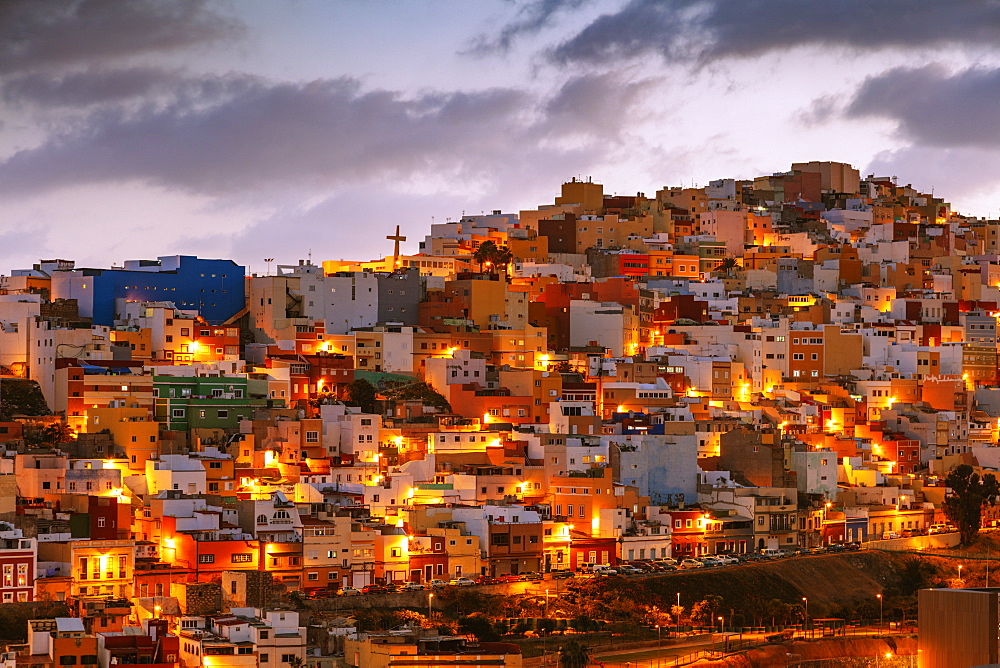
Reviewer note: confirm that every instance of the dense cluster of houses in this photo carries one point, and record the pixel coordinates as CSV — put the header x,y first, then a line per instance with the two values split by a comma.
x,y
783,362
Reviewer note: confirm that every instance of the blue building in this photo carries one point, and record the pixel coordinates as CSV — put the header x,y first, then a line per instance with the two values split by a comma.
x,y
215,288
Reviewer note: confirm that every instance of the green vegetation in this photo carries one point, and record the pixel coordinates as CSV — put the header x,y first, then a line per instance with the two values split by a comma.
x,y
19,396
361,393
969,494
493,256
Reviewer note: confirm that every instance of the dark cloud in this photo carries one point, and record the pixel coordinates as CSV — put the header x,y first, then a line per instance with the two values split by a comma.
x,y
706,30
55,33
88,87
934,106
531,18
596,103
242,133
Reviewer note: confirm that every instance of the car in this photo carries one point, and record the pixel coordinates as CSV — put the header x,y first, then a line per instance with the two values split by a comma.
x,y
509,577
630,570
373,589
487,580
350,591
666,568
727,560
667,560
531,577
890,535
462,582
711,561
413,586
690,563
561,574
437,584
605,570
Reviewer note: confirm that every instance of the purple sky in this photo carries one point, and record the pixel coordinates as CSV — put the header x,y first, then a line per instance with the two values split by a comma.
x,y
248,129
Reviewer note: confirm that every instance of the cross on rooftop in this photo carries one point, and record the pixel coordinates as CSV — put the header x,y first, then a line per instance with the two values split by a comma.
x,y
395,250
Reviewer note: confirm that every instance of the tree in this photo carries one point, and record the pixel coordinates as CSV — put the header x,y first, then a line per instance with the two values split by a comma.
x,y
574,655
477,624
704,611
969,493
493,256
362,393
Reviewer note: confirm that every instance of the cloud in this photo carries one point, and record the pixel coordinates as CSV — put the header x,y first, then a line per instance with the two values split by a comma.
x,y
58,33
88,87
596,103
933,106
531,18
223,136
708,30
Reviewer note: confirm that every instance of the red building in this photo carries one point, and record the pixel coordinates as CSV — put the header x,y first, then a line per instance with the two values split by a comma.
x,y
688,533
155,649
18,560
427,558
586,550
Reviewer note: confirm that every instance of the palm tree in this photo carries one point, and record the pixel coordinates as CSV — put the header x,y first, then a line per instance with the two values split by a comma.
x,y
490,254
484,253
574,655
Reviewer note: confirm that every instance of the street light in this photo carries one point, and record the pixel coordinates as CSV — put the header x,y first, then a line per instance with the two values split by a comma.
x,y
960,571
880,608
805,600
678,632
720,624
430,604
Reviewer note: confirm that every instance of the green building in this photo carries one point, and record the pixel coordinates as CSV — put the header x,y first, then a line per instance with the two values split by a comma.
x,y
211,402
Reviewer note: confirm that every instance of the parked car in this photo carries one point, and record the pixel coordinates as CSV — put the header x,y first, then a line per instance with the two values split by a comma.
x,y
562,574
350,591
413,586
710,561
627,569
437,584
487,580
374,589
727,559
509,577
531,577
462,582
690,563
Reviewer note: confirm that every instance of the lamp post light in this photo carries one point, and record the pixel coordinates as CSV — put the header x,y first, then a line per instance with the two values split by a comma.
x,y
678,629
720,624
960,572
659,636
546,604
880,609
430,605
805,602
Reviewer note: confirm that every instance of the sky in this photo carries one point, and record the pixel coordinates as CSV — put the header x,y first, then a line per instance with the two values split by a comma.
x,y
247,129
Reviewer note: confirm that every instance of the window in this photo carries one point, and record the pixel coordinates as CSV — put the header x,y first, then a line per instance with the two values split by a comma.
x,y
312,437
177,413
287,658
223,413
242,558
206,558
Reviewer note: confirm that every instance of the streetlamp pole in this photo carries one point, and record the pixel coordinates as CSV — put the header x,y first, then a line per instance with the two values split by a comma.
x,y
678,629
659,636
880,616
805,601
430,604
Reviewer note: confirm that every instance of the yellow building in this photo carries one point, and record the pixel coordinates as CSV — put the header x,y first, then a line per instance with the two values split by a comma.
x,y
132,429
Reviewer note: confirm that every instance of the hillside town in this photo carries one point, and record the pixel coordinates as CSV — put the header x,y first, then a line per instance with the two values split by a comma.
x,y
606,382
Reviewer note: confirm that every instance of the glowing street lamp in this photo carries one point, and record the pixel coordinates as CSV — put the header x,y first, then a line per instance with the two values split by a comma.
x,y
880,610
